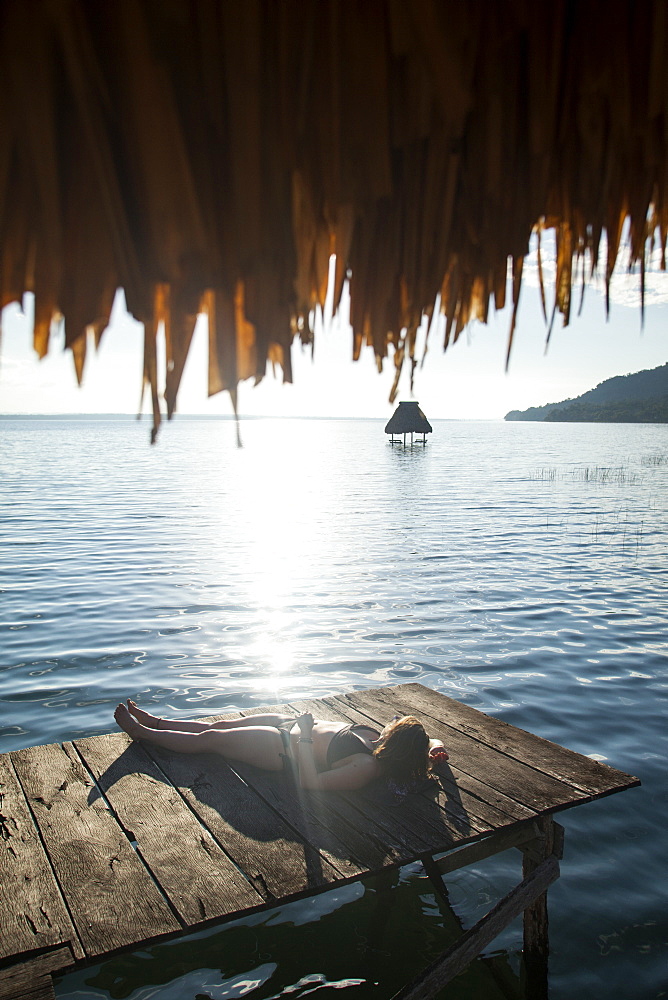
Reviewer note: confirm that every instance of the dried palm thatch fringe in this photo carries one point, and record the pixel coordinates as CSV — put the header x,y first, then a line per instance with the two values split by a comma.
x,y
210,157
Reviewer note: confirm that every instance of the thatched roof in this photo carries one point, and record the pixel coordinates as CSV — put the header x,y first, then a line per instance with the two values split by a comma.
x,y
210,156
408,418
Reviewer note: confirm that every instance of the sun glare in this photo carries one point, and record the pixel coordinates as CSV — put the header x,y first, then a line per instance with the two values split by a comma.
x,y
280,529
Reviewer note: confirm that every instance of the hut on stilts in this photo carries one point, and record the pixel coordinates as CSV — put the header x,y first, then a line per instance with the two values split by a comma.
x,y
408,418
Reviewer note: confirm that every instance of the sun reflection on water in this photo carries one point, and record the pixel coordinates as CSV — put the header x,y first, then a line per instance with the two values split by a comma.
x,y
283,529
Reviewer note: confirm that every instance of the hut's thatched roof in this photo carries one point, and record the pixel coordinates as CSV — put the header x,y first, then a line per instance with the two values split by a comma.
x,y
408,418
210,156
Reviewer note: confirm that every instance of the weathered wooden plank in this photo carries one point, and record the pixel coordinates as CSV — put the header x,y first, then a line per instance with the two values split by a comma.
x,y
192,870
515,779
32,980
472,805
272,856
481,801
472,942
590,776
113,900
315,819
496,843
38,988
33,913
425,812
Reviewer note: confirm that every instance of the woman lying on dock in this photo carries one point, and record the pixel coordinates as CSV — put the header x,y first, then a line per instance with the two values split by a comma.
x,y
326,756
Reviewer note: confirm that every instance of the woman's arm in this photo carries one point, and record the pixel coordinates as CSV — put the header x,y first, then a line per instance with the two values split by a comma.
x,y
360,772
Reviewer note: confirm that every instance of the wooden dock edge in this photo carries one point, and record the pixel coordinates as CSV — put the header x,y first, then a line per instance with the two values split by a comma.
x,y
529,782
541,842
32,979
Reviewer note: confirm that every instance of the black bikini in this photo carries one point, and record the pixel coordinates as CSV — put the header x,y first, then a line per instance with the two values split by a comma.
x,y
347,742
342,744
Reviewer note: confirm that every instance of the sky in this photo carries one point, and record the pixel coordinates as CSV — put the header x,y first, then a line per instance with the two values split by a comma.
x,y
468,381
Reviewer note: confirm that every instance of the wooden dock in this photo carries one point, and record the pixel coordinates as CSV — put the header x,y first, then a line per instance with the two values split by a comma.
x,y
108,845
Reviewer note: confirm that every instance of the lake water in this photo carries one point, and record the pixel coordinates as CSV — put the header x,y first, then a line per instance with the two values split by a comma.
x,y
520,568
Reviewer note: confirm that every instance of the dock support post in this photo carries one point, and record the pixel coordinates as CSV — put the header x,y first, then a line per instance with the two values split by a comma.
x,y
434,875
473,941
541,843
549,843
384,886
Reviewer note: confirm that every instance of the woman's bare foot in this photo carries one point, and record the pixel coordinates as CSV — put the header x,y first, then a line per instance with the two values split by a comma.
x,y
146,719
127,723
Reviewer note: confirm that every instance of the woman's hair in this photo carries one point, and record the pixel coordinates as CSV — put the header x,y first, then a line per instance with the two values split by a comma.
x,y
403,751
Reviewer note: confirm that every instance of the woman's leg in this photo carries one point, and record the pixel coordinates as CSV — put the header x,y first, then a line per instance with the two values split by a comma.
x,y
190,726
258,745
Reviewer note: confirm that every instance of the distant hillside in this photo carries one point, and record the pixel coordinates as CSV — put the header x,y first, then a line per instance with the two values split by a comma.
x,y
638,398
